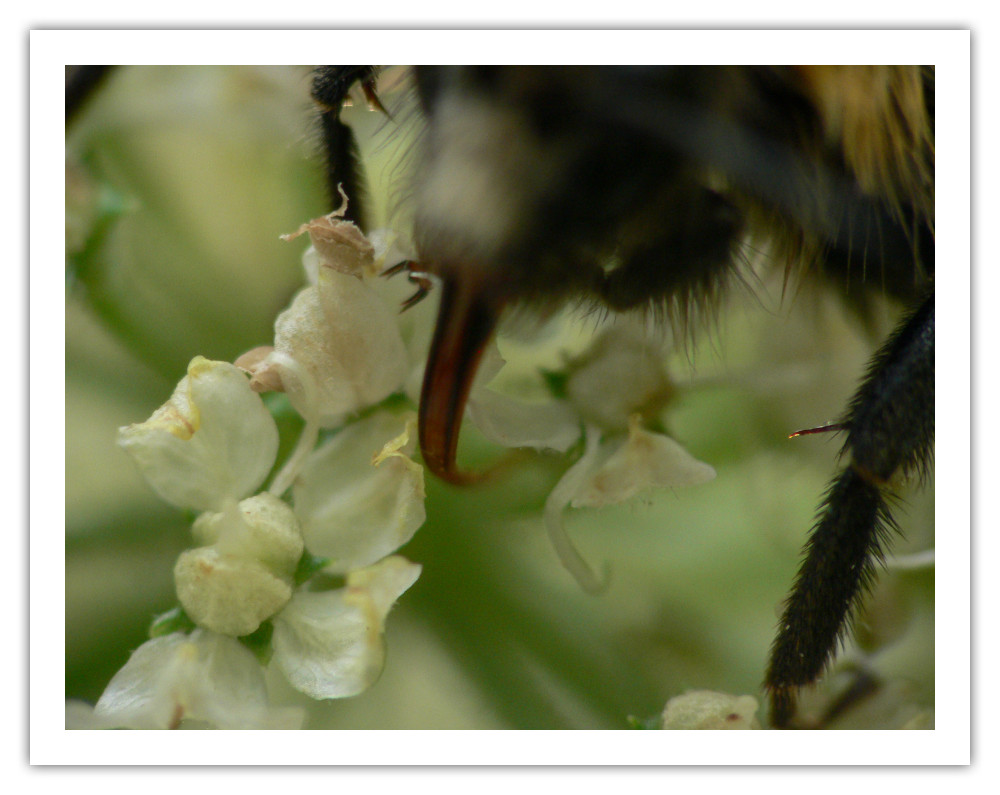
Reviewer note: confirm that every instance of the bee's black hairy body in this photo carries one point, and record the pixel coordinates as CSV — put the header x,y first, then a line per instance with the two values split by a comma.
x,y
643,187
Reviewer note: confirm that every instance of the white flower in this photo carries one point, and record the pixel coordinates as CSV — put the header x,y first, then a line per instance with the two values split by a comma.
x,y
201,678
344,339
623,373
338,347
330,644
212,443
615,385
359,496
610,472
705,709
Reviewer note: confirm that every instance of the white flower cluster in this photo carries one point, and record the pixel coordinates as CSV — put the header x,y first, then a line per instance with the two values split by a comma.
x,y
310,561
355,499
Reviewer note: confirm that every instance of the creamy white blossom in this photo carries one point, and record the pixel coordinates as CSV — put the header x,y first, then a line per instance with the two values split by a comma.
x,y
330,644
213,442
346,347
338,347
261,527
360,496
201,679
228,594
357,498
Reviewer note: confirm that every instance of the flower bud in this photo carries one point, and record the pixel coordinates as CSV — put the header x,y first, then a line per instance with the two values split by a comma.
x,y
244,573
228,594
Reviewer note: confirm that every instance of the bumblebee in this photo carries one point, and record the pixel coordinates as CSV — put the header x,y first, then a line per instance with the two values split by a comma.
x,y
639,188
533,179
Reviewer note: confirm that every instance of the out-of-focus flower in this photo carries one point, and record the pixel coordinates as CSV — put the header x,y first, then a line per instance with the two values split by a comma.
x,y
643,460
614,387
623,373
706,709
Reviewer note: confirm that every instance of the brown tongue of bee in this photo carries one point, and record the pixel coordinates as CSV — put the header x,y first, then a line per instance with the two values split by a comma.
x,y
467,316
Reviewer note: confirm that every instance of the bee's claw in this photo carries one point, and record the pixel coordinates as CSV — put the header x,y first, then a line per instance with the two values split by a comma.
x,y
421,279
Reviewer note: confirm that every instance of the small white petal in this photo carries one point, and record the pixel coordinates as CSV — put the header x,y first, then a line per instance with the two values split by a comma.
x,y
211,443
514,423
643,461
378,587
555,507
705,709
331,644
623,372
353,510
202,677
346,342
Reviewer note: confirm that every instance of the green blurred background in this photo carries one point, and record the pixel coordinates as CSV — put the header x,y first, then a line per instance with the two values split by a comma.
x,y
179,182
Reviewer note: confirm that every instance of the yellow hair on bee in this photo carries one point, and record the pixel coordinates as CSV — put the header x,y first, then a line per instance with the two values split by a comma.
x,y
878,117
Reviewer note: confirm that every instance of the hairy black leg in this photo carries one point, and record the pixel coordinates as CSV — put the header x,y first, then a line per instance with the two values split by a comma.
x,y
890,432
330,88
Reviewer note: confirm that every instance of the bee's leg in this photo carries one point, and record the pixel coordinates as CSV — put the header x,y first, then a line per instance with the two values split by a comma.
x,y
330,88
890,427
419,279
